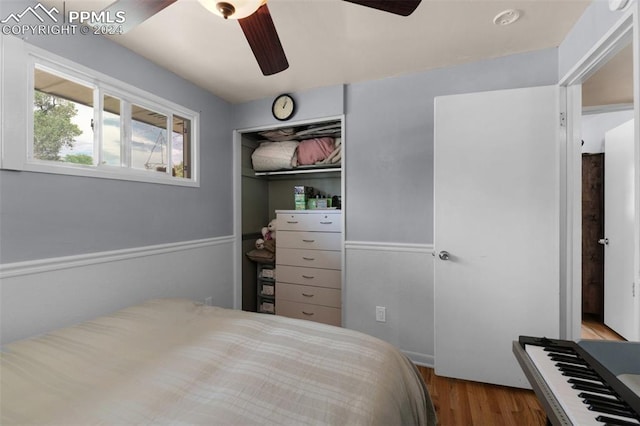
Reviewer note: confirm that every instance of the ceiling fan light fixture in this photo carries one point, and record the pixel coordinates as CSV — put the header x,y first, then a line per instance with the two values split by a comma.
x,y
226,9
232,9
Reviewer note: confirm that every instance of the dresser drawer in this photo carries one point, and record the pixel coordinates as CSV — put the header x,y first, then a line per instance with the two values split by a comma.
x,y
309,240
329,222
330,278
309,258
310,312
309,294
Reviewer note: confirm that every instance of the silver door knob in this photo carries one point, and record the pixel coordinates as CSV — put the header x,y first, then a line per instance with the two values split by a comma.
x,y
444,255
603,241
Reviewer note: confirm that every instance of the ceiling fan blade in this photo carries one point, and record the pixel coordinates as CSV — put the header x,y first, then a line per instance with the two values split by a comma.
x,y
399,7
136,11
263,38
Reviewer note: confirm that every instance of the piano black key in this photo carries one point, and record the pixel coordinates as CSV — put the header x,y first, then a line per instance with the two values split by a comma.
x,y
599,384
615,422
609,410
568,359
560,349
590,386
579,367
581,370
611,404
612,399
579,375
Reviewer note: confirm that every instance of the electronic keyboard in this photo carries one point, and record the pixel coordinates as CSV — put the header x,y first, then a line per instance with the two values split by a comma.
x,y
575,387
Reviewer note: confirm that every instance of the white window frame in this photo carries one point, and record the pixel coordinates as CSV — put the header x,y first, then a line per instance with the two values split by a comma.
x,y
21,158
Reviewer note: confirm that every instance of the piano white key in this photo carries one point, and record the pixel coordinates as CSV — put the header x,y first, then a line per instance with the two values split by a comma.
x,y
576,410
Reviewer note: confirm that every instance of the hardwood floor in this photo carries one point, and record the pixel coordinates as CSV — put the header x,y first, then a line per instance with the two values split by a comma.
x,y
594,329
461,402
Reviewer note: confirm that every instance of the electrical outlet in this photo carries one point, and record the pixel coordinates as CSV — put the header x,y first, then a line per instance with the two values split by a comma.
x,y
381,314
208,301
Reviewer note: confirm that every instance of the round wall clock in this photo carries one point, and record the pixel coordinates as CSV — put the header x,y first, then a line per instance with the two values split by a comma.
x,y
283,107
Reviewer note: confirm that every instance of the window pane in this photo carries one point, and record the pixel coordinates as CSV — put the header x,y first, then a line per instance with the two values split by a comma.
x,y
111,146
62,119
148,140
181,147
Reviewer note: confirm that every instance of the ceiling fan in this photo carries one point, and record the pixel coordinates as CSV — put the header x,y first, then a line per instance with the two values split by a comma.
x,y
255,21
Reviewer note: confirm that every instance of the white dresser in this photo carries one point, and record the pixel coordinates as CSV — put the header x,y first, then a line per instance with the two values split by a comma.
x,y
309,265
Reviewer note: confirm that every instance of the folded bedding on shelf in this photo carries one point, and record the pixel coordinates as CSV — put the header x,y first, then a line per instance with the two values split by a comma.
x,y
336,156
331,129
279,135
312,151
270,156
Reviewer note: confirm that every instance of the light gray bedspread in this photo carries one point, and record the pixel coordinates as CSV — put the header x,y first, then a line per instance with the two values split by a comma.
x,y
172,361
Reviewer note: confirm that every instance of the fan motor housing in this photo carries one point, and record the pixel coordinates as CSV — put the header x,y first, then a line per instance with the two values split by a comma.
x,y
226,9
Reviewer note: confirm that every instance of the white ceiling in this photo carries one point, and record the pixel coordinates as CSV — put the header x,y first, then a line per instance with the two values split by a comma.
x,y
330,42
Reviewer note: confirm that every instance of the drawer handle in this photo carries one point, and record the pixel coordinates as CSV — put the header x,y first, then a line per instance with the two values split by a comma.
x,y
309,241
292,221
326,223
309,277
307,295
308,258
307,313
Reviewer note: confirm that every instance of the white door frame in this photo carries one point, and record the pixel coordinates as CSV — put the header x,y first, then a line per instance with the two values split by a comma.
x,y
612,42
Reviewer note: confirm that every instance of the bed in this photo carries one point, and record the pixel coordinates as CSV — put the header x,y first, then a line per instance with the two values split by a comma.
x,y
170,361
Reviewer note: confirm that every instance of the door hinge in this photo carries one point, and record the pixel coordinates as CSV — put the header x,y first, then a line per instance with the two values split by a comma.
x,y
563,119
633,289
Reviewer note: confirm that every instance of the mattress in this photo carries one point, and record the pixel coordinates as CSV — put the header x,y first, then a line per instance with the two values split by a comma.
x,y
170,361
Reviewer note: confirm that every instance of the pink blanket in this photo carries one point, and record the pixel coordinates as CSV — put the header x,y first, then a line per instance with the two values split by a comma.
x,y
311,151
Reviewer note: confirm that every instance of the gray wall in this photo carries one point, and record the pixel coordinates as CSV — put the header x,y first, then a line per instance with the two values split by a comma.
x,y
389,137
389,141
310,104
46,215
389,160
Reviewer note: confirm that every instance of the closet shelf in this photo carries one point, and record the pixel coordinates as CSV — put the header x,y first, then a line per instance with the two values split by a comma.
x,y
311,147
299,170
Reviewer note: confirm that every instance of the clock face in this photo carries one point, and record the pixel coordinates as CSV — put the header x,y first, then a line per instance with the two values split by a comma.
x,y
283,107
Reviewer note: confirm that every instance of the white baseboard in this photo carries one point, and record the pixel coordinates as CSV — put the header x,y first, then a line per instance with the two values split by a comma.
x,y
421,359
45,294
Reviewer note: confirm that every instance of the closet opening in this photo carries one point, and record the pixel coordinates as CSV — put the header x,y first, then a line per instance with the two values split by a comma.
x,y
296,168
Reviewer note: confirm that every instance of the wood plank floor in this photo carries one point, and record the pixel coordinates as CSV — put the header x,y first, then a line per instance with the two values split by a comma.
x,y
593,329
461,402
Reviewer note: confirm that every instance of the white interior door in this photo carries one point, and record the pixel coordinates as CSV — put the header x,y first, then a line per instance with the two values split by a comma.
x,y
619,208
497,215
